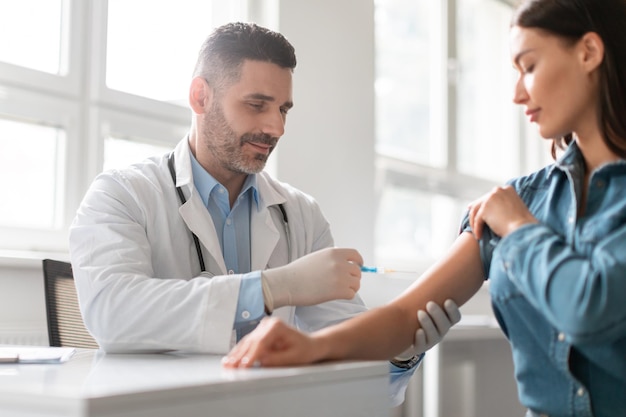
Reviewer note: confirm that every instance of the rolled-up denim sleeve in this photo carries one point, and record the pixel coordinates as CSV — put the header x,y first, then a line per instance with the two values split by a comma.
x,y
399,379
487,243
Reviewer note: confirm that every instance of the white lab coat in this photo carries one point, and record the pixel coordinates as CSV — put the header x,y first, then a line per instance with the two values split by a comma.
x,y
137,272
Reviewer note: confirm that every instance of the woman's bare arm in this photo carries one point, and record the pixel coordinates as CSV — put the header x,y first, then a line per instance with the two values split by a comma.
x,y
380,333
386,331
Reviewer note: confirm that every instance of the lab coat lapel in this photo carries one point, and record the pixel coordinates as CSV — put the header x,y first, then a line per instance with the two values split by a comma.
x,y
264,233
264,236
194,212
199,221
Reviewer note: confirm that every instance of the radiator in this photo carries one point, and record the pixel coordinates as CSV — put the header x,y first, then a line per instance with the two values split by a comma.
x,y
34,337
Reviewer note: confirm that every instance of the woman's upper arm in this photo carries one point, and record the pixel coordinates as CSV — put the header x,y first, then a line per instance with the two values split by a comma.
x,y
458,276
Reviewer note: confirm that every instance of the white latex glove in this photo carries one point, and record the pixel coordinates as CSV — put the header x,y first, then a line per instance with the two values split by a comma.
x,y
325,275
434,324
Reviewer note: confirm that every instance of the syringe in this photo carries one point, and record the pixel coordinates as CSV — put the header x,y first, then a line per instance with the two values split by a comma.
x,y
381,270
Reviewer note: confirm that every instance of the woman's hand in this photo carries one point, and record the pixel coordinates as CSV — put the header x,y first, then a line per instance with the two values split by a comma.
x,y
501,209
273,343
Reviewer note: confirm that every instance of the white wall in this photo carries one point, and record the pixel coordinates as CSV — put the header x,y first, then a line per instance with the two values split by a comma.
x,y
22,303
328,148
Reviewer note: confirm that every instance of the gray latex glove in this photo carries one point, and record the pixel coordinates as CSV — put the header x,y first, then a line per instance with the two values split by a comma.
x,y
328,274
434,324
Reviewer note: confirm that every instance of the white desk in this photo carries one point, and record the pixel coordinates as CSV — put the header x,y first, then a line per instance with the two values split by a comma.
x,y
93,384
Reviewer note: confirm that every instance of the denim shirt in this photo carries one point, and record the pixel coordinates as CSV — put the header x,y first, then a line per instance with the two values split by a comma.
x,y
558,289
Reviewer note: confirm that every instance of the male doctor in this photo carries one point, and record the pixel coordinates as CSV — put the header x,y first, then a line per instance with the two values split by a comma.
x,y
190,250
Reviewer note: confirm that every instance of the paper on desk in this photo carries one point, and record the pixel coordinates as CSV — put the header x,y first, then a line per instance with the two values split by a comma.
x,y
35,354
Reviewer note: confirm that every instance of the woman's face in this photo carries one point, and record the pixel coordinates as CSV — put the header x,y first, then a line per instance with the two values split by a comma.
x,y
555,83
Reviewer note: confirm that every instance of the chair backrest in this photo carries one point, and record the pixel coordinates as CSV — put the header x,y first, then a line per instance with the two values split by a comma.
x,y
65,323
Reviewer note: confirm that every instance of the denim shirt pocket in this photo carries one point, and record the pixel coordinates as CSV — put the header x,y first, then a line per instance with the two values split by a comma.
x,y
597,228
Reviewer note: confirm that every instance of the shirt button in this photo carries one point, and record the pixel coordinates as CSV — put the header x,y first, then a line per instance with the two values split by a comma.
x,y
561,337
245,314
570,220
580,392
221,190
228,221
231,272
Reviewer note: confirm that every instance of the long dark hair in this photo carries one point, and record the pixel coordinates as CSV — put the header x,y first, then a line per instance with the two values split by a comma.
x,y
571,19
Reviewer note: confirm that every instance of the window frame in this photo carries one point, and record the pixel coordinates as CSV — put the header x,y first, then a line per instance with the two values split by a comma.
x,y
68,82
78,101
37,108
447,180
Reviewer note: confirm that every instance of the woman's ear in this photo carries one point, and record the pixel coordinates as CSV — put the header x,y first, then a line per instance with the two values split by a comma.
x,y
592,51
200,95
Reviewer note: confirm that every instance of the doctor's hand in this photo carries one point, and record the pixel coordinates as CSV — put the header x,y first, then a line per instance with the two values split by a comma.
x,y
435,323
274,343
328,274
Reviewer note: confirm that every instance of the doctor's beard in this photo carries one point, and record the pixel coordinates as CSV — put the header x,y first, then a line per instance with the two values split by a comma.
x,y
227,147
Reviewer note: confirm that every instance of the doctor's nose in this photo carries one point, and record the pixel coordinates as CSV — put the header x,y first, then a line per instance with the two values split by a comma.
x,y
274,124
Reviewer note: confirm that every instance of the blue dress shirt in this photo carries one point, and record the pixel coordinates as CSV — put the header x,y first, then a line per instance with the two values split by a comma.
x,y
558,289
233,231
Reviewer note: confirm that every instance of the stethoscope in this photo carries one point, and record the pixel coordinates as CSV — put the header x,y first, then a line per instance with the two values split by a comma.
x,y
196,241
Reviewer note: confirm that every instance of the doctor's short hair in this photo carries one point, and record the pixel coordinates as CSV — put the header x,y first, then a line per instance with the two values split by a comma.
x,y
227,47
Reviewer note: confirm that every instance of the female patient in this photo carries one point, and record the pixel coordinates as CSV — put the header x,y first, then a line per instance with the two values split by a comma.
x,y
553,243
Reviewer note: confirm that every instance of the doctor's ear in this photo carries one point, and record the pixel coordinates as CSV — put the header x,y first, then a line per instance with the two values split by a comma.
x,y
200,95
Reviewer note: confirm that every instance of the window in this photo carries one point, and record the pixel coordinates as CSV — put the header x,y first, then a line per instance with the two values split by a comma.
x,y
486,117
120,152
447,130
41,51
129,138
403,65
83,89
167,43
29,180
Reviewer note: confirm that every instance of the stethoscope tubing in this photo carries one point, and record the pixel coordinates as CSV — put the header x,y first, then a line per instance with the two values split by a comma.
x,y
196,241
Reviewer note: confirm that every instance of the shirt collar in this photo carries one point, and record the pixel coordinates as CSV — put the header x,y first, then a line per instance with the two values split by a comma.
x,y
571,159
205,182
